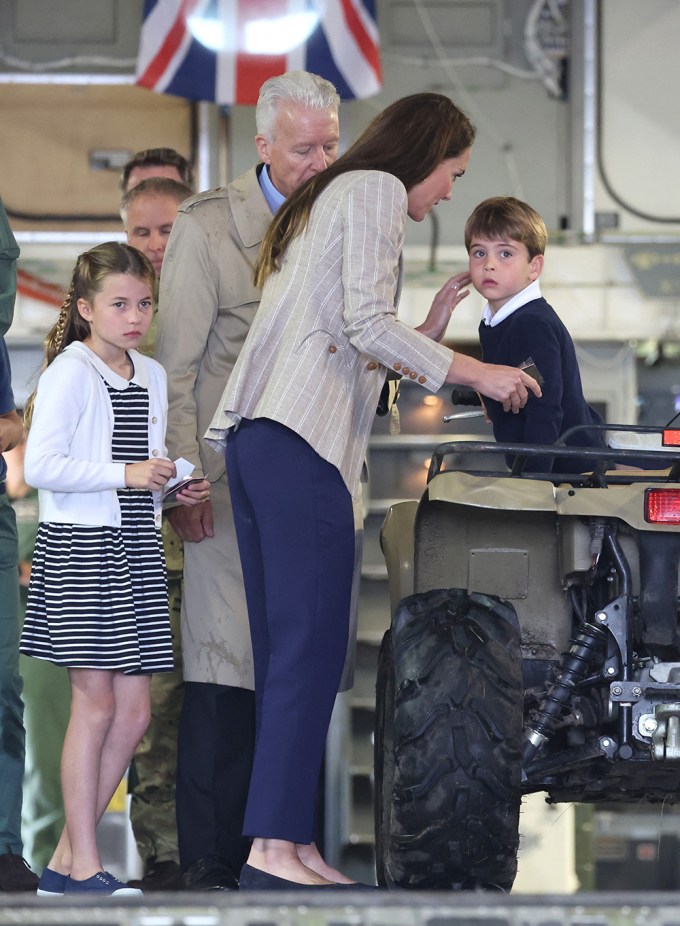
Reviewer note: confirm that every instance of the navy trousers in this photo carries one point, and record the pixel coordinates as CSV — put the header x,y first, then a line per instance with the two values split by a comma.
x,y
295,530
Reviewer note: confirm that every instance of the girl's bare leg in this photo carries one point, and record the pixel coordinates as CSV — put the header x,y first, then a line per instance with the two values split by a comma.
x,y
109,715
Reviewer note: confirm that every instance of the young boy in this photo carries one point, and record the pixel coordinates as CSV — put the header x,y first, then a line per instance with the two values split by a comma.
x,y
505,239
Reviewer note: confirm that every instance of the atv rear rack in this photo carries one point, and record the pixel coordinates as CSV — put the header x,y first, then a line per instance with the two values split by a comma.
x,y
667,459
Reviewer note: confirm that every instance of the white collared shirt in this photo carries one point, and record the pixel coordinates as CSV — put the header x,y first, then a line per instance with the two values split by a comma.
x,y
528,294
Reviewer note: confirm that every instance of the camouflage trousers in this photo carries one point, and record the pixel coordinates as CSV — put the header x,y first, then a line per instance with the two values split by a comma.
x,y
154,768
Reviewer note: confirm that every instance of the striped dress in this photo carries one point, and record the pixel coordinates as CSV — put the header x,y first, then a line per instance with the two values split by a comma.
x,y
98,596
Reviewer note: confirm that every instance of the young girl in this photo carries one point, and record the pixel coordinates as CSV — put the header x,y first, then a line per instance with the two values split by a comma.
x,y
97,600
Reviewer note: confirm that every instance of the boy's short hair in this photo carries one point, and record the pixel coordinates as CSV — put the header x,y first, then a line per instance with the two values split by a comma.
x,y
502,217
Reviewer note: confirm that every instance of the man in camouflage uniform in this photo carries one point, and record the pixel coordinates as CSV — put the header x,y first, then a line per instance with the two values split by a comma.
x,y
15,874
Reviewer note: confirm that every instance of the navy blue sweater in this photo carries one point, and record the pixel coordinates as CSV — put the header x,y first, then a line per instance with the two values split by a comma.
x,y
535,330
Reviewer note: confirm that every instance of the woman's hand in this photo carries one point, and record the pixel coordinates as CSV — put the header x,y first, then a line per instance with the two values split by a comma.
x,y
149,474
508,385
443,304
194,494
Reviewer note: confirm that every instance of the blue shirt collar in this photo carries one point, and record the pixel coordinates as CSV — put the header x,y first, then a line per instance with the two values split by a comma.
x,y
271,194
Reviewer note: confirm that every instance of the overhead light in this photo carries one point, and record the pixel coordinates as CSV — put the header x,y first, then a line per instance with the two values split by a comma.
x,y
279,35
209,32
276,35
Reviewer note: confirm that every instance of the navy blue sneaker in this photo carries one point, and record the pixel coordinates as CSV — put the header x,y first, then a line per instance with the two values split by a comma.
x,y
101,883
51,883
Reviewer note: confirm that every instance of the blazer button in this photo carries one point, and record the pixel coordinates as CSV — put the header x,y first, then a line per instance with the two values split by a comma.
x,y
154,453
413,374
154,420
332,349
406,371
397,366
371,366
422,379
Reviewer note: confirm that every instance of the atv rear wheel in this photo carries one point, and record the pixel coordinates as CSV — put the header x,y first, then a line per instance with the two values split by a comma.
x,y
448,744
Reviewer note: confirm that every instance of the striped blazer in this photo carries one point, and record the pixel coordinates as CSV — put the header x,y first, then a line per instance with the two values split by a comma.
x,y
326,331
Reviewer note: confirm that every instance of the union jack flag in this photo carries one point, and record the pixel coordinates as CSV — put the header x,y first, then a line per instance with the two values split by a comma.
x,y
223,50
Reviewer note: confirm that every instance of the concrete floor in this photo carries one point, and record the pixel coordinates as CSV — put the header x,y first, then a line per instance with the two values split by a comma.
x,y
360,909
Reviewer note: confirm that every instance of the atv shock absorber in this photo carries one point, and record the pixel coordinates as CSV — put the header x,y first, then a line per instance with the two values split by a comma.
x,y
586,649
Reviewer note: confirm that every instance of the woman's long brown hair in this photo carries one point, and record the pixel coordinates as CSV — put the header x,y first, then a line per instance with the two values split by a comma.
x,y
408,139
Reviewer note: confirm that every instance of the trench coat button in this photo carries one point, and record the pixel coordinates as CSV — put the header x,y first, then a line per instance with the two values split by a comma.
x,y
371,366
332,349
406,371
397,366
422,379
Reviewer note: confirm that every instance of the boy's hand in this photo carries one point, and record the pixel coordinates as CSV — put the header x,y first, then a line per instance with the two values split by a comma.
x,y
149,474
443,304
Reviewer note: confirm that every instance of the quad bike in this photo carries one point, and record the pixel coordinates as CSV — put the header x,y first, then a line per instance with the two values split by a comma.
x,y
534,646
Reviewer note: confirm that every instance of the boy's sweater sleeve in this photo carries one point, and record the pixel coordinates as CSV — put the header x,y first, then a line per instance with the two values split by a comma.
x,y
543,417
540,421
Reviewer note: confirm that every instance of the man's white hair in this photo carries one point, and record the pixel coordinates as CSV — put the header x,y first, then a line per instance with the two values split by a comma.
x,y
298,87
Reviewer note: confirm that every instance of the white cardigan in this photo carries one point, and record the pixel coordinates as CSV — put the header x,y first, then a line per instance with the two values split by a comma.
x,y
68,451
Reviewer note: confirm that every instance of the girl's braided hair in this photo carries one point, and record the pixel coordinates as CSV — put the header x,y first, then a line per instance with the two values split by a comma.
x,y
89,274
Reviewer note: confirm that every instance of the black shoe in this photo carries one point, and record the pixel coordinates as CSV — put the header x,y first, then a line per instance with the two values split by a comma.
x,y
252,879
209,873
159,876
15,875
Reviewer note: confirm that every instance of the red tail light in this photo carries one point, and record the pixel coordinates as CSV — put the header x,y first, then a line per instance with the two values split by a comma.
x,y
662,506
671,437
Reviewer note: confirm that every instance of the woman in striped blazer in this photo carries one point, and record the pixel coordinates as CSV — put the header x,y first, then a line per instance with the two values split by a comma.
x,y
295,418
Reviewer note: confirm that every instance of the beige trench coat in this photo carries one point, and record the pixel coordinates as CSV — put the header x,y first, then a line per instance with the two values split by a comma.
x,y
207,302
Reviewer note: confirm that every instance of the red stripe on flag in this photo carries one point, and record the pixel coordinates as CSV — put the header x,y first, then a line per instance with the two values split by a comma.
x,y
173,40
368,47
253,70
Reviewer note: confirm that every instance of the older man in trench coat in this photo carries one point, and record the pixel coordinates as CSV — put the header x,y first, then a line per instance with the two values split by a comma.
x,y
207,303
